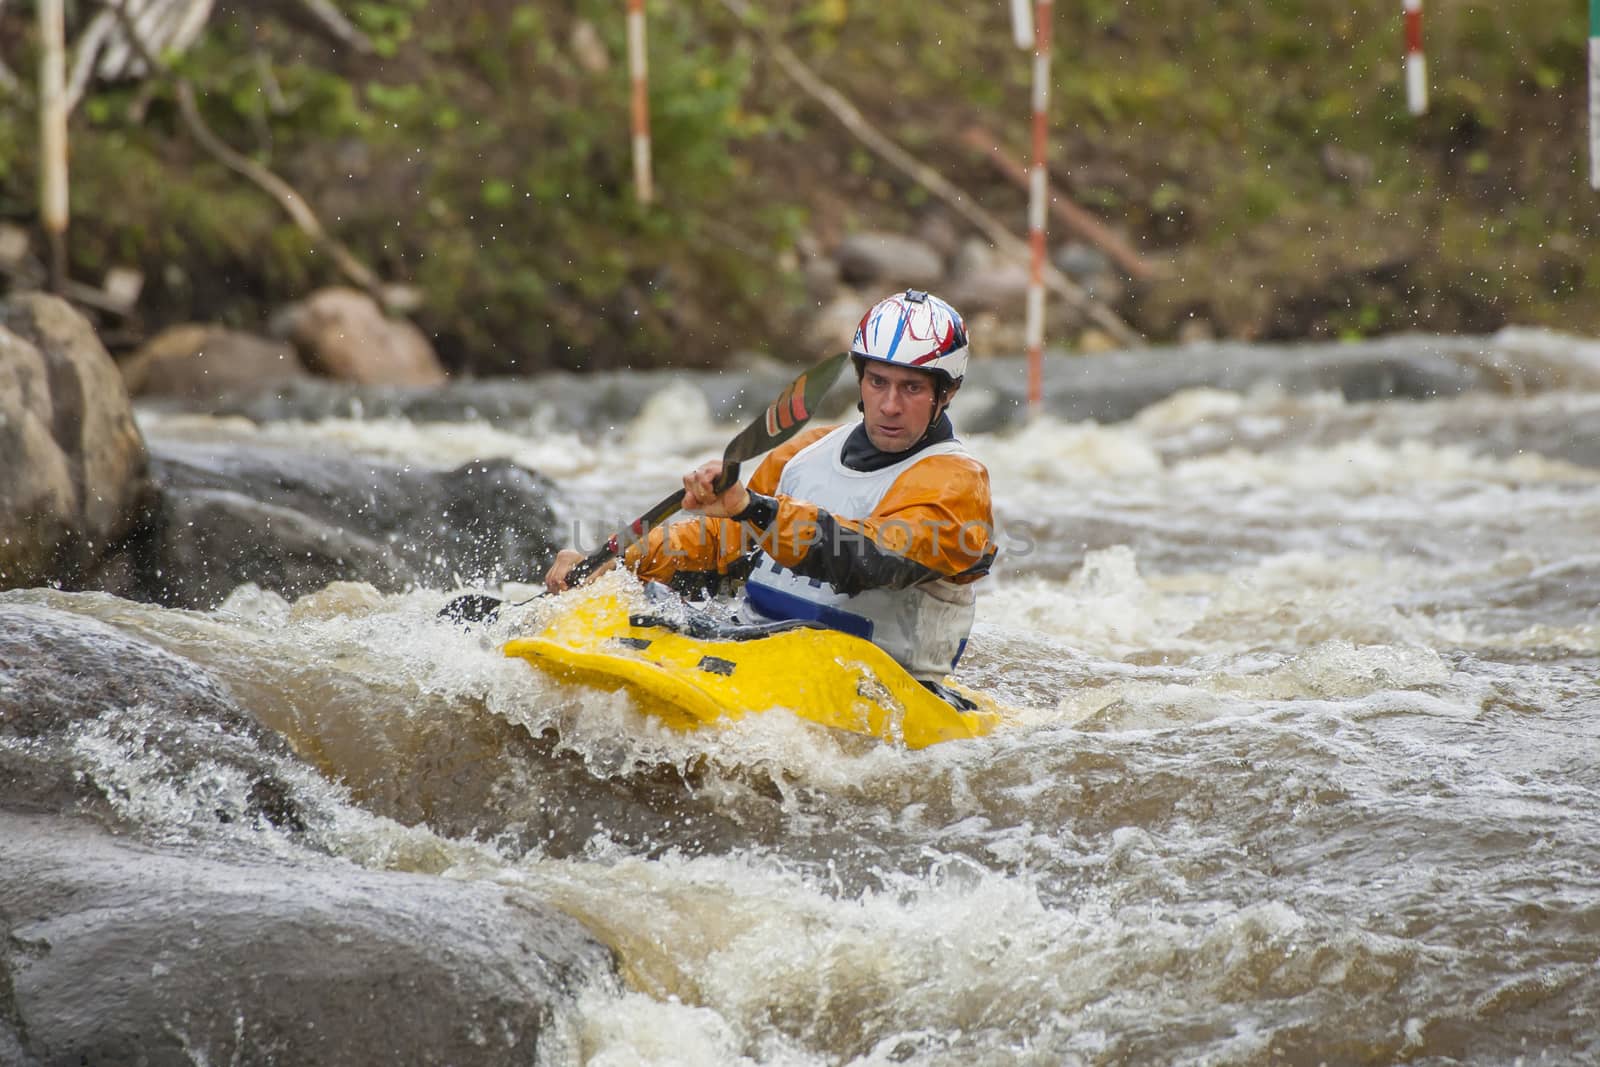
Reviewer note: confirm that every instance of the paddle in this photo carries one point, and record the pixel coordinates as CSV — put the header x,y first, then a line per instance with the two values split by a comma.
x,y
782,419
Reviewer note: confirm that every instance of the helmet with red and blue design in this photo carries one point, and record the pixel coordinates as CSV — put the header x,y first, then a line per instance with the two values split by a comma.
x,y
914,329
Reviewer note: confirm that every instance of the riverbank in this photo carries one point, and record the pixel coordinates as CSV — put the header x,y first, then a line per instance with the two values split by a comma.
x,y
1261,164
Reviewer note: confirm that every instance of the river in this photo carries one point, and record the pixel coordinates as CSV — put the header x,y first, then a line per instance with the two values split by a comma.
x,y
1305,766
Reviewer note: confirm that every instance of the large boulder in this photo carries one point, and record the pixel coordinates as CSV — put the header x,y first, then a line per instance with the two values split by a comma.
x,y
887,261
114,952
198,362
38,501
74,475
833,326
73,690
344,334
293,521
235,940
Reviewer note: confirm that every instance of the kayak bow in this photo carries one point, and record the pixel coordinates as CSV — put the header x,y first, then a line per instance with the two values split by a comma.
x,y
688,682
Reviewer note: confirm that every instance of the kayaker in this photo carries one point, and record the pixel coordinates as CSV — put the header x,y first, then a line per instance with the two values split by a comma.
x,y
878,528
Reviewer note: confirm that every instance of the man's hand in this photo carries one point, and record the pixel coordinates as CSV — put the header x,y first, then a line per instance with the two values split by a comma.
x,y
555,579
698,494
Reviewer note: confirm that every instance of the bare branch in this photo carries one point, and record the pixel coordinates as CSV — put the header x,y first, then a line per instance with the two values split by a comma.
x,y
291,201
277,103
1075,218
90,42
332,20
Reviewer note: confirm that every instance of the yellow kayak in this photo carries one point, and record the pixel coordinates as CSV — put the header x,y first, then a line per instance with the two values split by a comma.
x,y
690,673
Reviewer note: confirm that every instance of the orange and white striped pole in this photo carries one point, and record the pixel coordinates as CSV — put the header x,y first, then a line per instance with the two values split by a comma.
x,y
1037,194
1022,23
1416,64
643,186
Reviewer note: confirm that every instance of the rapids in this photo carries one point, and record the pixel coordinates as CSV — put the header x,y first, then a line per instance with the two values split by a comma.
x,y
1303,770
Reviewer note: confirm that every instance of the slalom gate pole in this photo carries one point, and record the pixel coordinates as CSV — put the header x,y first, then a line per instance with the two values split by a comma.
x,y
1594,94
1022,23
1416,63
643,185
1037,194
53,136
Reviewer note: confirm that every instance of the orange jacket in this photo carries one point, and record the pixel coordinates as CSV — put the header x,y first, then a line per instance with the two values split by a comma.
x,y
936,521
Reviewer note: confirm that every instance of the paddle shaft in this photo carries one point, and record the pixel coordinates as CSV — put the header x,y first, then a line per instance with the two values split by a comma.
x,y
782,419
641,526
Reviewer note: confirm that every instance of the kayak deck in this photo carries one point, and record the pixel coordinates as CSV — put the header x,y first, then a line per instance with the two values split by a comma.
x,y
824,676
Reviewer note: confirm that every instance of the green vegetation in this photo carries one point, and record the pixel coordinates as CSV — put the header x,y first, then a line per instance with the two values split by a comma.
x,y
1262,154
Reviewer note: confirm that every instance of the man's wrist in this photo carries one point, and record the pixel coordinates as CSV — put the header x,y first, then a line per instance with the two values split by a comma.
x,y
760,511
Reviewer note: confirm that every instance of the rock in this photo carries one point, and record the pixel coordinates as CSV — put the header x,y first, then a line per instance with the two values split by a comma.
x,y
1196,330
344,334
888,261
1091,269
973,257
588,49
14,241
940,232
1343,165
79,734
1093,342
293,522
1081,262
820,274
833,326
74,476
38,501
200,362
981,279
117,952
1003,287
995,333
208,542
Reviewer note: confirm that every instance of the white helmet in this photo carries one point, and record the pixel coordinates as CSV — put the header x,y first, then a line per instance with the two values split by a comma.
x,y
914,329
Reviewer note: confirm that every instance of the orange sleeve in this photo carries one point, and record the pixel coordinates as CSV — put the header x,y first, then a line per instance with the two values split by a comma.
x,y
706,544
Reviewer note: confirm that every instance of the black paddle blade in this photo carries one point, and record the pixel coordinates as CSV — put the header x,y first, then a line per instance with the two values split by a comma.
x,y
786,415
782,420
471,607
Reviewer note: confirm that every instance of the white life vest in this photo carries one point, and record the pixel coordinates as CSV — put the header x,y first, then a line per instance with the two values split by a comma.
x,y
924,627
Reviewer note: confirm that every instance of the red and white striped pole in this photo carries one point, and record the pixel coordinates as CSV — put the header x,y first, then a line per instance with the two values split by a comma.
x,y
1416,65
1037,193
644,188
1022,23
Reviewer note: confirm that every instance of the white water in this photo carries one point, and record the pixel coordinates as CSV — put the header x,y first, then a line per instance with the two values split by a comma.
x,y
1305,766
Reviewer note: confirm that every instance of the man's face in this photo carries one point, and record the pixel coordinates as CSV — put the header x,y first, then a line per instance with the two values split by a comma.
x,y
899,404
